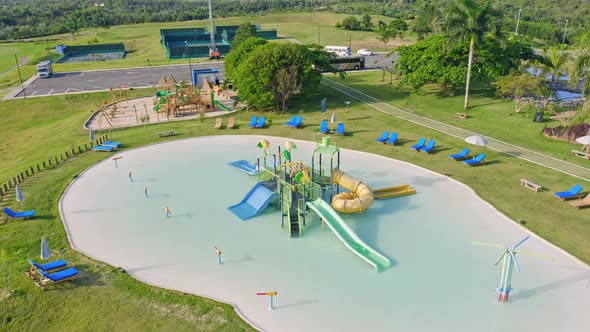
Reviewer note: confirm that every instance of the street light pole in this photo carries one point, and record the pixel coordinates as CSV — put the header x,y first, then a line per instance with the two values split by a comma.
x,y
350,43
517,21
565,31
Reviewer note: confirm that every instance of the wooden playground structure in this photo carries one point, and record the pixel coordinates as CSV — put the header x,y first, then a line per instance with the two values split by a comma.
x,y
171,101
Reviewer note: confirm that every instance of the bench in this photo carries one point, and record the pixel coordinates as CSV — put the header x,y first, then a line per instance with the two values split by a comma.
x,y
531,185
581,154
462,115
166,133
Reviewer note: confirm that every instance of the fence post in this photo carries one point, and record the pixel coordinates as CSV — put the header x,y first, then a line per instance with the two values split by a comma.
x,y
91,145
79,149
55,160
6,186
39,168
27,172
14,181
73,152
32,170
67,155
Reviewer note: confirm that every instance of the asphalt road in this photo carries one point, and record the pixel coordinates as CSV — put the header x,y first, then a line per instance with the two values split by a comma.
x,y
141,77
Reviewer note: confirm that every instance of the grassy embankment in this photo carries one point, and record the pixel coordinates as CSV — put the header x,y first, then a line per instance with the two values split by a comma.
x,y
142,41
105,298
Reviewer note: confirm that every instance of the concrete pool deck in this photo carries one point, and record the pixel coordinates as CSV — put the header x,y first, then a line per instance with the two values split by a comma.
x,y
439,280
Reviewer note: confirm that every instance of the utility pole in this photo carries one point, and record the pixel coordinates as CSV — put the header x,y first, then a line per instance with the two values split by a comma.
x,y
20,76
48,51
213,54
517,21
565,31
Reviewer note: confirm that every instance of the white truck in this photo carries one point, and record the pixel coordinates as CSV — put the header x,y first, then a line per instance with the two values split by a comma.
x,y
44,69
339,50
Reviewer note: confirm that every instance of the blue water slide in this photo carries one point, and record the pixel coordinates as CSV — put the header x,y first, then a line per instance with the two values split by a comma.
x,y
254,203
245,167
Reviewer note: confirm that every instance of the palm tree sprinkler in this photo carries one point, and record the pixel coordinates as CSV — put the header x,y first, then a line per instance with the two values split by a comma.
x,y
472,20
508,259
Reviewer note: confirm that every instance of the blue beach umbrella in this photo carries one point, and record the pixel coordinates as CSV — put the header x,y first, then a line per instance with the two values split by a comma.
x,y
45,252
91,135
20,198
19,195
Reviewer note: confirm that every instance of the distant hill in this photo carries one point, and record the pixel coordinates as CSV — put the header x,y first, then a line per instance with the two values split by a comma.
x,y
542,19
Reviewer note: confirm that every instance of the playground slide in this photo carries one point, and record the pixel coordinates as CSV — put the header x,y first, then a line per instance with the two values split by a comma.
x,y
254,203
223,107
397,191
357,200
347,236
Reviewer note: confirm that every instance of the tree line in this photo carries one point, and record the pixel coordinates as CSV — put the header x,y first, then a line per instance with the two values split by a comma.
x,y
541,19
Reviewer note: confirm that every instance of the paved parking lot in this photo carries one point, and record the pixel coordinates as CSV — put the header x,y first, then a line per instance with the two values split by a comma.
x,y
101,80
141,77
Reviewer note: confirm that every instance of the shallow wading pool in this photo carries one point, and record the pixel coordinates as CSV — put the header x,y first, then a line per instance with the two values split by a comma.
x,y
439,281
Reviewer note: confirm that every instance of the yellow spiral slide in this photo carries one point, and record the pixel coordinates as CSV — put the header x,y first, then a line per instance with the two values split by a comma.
x,y
357,200
361,196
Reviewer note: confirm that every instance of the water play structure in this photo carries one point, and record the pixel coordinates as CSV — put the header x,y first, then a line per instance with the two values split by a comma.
x,y
509,262
299,189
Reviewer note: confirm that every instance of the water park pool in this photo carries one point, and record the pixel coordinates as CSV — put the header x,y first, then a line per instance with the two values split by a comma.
x,y
438,281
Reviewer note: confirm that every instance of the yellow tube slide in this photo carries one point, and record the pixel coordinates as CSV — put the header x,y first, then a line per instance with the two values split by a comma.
x,y
357,200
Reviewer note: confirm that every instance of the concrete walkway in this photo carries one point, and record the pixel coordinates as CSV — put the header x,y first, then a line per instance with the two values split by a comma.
x,y
538,158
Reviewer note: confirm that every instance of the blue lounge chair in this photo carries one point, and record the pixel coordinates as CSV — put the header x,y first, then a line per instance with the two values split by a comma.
x,y
429,147
261,122
109,143
418,145
383,137
298,122
572,193
17,215
57,277
461,155
253,121
103,148
47,267
291,121
392,139
478,160
324,127
340,129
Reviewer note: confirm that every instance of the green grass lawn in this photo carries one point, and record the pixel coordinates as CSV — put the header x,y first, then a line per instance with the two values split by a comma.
x,y
489,115
105,298
142,41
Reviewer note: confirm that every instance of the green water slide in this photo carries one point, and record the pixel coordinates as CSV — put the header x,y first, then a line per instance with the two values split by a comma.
x,y
347,236
223,107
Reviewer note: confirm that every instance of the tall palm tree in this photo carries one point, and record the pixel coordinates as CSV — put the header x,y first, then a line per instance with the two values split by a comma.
x,y
555,59
579,69
472,20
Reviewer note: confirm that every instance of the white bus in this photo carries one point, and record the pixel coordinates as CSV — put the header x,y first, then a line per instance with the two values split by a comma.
x,y
339,50
44,69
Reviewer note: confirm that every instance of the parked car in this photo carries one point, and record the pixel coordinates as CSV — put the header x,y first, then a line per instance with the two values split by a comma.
x,y
365,52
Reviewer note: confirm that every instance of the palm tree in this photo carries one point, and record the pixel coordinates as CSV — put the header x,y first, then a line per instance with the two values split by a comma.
x,y
472,20
579,69
555,59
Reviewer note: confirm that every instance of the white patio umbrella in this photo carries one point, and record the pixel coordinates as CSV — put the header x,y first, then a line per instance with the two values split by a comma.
x,y
584,140
476,140
333,118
